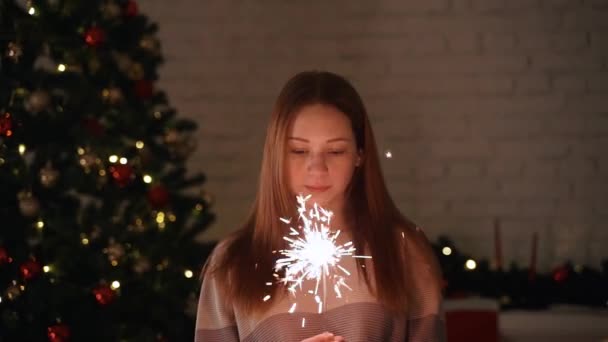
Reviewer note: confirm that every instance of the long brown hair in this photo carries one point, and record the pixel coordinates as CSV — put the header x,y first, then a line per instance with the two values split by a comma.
x,y
246,263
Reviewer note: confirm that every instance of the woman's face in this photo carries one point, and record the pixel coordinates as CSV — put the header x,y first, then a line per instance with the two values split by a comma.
x,y
321,155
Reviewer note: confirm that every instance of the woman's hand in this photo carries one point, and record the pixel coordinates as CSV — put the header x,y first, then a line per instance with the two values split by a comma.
x,y
325,337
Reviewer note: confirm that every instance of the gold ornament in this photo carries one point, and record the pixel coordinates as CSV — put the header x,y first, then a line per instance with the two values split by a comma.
x,y
142,265
150,43
110,10
112,95
38,101
136,72
14,51
123,61
13,292
48,175
171,136
88,160
115,251
180,145
28,204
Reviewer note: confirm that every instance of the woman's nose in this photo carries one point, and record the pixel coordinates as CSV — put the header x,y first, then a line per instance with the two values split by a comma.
x,y
316,162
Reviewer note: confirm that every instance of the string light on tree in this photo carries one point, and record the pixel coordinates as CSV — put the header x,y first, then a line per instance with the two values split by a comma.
x,y
388,154
446,250
470,264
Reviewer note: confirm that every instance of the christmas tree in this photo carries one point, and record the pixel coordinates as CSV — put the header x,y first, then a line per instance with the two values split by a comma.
x,y
97,213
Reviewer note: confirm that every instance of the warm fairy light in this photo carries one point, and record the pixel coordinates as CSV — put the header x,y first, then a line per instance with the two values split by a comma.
x,y
21,149
199,207
172,217
61,67
139,144
446,251
31,11
157,114
471,264
85,241
39,224
123,160
161,226
313,253
388,154
0,299
102,173
188,274
114,263
115,285
80,151
160,217
113,158
46,268
147,179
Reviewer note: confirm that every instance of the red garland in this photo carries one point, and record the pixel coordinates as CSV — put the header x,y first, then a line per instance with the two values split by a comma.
x,y
104,295
131,9
30,269
94,36
6,125
158,196
122,174
4,258
58,333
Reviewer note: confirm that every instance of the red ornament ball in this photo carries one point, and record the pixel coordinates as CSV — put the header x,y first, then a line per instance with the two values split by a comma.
x,y
104,295
6,124
30,269
122,174
561,274
94,36
58,333
158,196
144,89
4,258
131,9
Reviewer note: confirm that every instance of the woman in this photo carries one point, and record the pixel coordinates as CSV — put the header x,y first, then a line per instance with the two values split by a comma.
x,y
319,142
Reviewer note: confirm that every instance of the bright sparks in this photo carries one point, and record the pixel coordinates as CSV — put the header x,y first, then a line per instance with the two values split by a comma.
x,y
313,254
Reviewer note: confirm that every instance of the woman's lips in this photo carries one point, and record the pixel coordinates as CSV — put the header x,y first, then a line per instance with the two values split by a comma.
x,y
317,188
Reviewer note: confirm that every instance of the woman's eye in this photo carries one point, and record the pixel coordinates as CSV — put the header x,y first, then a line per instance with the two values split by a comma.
x,y
337,152
296,151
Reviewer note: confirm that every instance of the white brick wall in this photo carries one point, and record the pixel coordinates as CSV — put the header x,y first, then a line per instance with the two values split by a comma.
x,y
491,108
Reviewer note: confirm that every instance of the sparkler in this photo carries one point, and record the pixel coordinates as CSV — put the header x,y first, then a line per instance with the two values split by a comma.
x,y
314,254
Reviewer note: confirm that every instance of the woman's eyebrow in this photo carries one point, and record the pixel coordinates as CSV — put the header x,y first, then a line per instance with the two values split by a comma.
x,y
329,140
